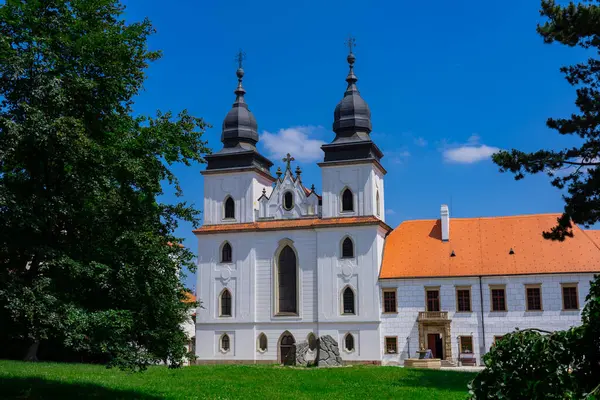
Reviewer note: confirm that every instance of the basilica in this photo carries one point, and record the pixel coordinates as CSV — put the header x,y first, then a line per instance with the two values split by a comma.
x,y
279,263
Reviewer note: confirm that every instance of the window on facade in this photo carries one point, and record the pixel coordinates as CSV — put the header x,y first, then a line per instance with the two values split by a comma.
x,y
288,200
347,248
286,280
377,205
433,300
262,342
348,299
389,301
534,298
497,339
349,342
229,208
463,300
225,344
225,303
498,299
347,200
226,253
466,344
569,295
391,345
312,341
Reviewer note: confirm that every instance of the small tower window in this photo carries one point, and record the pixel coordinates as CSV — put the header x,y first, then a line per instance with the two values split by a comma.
x,y
349,342
225,303
347,200
348,299
226,253
229,208
288,200
225,344
347,248
262,342
377,205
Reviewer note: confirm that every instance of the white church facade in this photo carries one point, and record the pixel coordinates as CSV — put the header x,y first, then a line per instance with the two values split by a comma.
x,y
280,264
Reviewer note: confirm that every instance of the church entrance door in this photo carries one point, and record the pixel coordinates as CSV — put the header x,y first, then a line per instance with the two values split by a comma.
x,y
286,349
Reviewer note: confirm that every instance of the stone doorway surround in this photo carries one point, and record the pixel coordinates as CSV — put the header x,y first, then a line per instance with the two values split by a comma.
x,y
435,322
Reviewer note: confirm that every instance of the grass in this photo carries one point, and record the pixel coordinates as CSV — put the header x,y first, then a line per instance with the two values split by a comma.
x,y
20,380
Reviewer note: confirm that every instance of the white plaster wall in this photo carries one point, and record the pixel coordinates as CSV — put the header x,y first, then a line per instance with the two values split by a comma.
x,y
362,179
244,340
411,300
244,187
322,276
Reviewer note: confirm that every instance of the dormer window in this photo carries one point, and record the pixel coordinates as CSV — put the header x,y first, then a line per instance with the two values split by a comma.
x,y
347,200
288,201
229,208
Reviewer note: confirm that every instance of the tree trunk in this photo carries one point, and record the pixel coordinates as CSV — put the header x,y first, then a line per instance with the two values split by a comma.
x,y
32,351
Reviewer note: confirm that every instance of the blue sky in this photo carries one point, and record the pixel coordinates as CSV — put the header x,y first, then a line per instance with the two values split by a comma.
x,y
447,83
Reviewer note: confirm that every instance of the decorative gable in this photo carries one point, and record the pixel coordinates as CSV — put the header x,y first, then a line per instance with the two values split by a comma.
x,y
289,198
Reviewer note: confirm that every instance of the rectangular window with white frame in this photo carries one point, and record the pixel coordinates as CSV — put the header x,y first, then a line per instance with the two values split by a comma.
x,y
570,296
463,299
498,298
533,294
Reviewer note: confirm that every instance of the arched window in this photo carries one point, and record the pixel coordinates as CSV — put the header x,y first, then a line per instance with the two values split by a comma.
x,y
229,208
288,200
226,253
347,200
225,343
225,303
262,342
348,300
286,281
377,205
349,342
347,248
312,341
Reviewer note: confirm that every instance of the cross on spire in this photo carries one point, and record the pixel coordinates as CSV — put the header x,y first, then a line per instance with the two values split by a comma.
x,y
351,43
240,57
288,159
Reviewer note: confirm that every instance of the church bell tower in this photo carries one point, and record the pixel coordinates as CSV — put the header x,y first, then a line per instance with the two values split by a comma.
x,y
351,170
236,175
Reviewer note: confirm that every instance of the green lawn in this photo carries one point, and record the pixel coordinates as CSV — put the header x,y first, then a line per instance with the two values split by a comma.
x,y
19,380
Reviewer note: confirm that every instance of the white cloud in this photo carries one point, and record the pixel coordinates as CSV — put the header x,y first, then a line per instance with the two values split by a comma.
x,y
296,141
469,154
421,142
389,211
397,156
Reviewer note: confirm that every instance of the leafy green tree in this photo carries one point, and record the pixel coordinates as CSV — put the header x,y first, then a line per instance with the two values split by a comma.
x,y
571,25
84,260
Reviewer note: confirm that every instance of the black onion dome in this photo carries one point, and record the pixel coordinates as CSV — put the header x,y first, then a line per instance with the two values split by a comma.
x,y
239,126
352,114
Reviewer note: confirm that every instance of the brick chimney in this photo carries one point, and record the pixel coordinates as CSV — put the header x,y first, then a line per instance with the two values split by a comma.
x,y
445,219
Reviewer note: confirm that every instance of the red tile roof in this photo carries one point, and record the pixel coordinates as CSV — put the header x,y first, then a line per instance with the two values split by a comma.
x,y
482,246
189,298
594,235
300,223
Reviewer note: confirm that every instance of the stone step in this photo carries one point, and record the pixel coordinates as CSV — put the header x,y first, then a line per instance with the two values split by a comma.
x,y
447,363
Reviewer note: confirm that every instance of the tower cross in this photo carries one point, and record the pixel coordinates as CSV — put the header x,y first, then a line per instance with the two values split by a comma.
x,y
351,43
288,159
240,57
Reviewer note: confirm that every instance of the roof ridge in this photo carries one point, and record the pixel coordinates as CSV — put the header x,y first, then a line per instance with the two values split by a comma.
x,y
588,236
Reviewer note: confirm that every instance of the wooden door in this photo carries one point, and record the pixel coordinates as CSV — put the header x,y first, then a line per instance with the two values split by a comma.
x,y
431,344
286,349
